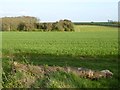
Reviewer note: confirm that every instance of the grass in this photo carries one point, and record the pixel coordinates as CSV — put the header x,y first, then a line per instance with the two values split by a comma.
x,y
63,80
94,47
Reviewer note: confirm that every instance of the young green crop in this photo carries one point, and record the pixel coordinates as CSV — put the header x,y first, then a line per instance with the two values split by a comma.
x,y
84,43
94,47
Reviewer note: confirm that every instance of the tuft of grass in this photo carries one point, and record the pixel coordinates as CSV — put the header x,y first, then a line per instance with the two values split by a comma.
x,y
67,80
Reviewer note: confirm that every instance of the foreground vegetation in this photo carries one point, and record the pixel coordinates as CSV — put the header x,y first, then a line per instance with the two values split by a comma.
x,y
93,47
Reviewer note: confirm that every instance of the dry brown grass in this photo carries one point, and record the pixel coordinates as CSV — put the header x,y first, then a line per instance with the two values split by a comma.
x,y
39,71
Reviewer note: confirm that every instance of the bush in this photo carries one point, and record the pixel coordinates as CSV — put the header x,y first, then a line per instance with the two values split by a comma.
x,y
63,25
58,26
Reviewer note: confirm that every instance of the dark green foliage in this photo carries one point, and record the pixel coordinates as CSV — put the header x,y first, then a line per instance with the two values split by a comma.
x,y
62,25
46,26
68,26
58,26
21,27
25,27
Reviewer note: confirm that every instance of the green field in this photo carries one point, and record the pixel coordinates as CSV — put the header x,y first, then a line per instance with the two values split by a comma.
x,y
94,47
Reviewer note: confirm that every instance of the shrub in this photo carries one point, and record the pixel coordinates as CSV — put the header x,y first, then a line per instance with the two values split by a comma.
x,y
63,25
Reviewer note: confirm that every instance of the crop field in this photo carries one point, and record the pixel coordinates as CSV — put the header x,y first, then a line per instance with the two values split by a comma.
x,y
94,47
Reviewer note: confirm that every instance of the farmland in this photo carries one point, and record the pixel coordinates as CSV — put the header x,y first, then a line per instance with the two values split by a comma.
x,y
94,47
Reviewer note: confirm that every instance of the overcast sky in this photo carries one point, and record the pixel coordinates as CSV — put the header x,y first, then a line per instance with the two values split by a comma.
x,y
53,10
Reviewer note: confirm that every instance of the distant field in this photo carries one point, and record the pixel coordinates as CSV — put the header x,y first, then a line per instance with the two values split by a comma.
x,y
94,47
94,28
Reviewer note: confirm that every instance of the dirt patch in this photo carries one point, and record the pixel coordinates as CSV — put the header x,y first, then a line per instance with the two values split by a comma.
x,y
27,74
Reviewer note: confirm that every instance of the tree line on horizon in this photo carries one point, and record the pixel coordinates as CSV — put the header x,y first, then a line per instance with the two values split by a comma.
x,y
28,23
